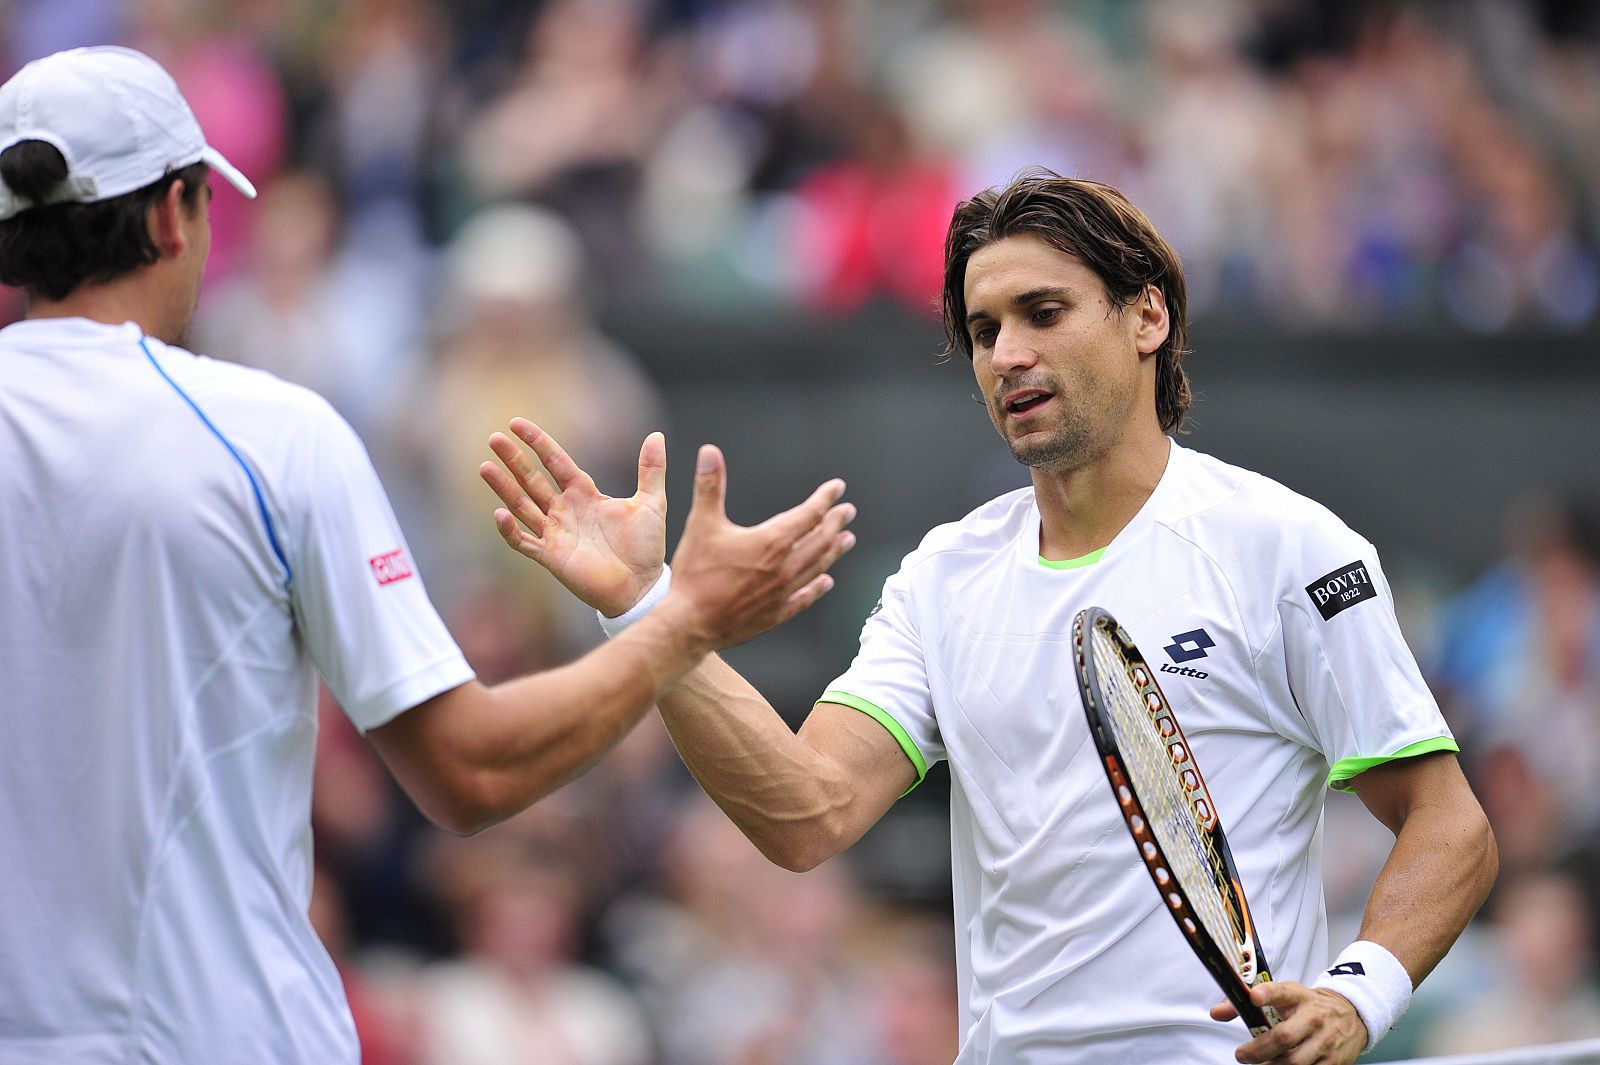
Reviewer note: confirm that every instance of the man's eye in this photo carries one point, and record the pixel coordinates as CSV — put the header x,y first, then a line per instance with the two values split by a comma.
x,y
984,335
1046,315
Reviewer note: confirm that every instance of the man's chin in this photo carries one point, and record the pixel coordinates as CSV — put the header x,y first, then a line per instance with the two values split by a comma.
x,y
1055,453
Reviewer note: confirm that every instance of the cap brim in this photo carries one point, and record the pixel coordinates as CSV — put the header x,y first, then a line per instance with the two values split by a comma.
x,y
214,159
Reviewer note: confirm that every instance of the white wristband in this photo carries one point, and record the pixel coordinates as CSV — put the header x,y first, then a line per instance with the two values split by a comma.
x,y
1374,981
657,592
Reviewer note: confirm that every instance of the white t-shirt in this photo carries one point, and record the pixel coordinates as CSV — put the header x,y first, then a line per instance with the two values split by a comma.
x,y
184,545
1297,676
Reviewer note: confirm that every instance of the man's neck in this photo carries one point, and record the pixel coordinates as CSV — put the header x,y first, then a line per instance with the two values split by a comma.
x,y
1082,510
127,299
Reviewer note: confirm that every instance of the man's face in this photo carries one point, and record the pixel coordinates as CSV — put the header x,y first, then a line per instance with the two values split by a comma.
x,y
1059,364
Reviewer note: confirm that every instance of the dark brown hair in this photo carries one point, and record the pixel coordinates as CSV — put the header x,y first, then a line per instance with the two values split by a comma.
x,y
52,250
1095,224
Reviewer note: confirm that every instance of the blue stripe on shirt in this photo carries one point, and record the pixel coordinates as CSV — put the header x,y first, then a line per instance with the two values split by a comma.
x,y
255,486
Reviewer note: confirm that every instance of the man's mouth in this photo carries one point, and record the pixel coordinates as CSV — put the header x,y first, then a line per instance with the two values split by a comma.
x,y
1023,402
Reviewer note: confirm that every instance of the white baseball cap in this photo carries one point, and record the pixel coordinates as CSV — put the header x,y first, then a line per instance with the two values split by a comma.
x,y
115,115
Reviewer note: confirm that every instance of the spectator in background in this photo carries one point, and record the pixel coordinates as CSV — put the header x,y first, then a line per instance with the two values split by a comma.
x,y
283,313
574,129
965,83
341,317
910,978
1544,990
384,69
1520,673
380,1028
517,993
514,337
871,224
745,963
236,94
1522,261
39,27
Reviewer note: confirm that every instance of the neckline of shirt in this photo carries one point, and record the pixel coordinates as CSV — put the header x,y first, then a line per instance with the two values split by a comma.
x,y
70,330
1145,516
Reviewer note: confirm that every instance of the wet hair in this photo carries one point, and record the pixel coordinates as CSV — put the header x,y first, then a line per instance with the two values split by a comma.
x,y
1095,224
54,249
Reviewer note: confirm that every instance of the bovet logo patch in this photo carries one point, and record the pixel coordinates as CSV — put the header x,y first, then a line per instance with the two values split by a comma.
x,y
391,566
1342,589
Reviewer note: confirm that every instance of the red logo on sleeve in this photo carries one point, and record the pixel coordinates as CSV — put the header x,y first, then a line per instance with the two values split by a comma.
x,y
390,567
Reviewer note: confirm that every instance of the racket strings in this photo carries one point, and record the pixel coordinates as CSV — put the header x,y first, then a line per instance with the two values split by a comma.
x,y
1197,864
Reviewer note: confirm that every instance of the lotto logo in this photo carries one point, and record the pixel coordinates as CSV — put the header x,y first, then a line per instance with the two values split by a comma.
x,y
390,567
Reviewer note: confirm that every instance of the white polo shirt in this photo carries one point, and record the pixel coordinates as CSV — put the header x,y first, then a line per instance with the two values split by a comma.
x,y
1274,631
184,545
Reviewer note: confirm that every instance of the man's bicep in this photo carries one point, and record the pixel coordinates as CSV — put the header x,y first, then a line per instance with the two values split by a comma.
x,y
874,759
1393,790
424,750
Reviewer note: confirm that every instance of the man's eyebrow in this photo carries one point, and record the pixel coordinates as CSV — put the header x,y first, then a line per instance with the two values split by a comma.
x,y
1022,299
1058,292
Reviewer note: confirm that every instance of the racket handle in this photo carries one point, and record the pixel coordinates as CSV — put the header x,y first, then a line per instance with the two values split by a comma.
x,y
1269,1019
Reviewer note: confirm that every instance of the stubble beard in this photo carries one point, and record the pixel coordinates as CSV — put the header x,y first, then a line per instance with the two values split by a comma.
x,y
1073,442
1065,446
1068,447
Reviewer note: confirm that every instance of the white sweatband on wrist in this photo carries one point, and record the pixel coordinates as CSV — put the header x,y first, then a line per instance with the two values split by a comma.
x,y
657,592
1374,981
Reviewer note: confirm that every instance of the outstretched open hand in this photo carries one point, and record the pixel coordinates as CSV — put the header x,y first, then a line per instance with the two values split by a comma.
x,y
730,582
607,551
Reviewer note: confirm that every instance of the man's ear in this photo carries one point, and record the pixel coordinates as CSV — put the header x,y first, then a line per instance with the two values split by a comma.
x,y
1153,324
166,221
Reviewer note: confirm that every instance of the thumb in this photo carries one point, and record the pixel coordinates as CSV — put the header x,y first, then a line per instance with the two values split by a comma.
x,y
710,484
653,467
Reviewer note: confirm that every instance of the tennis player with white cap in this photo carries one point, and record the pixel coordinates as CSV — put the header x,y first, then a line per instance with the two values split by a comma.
x,y
184,545
115,115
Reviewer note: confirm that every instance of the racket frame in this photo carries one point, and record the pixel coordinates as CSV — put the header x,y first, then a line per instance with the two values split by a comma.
x,y
1175,896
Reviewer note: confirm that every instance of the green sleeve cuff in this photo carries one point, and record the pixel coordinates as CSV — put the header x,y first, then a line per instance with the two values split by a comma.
x,y
881,716
1347,769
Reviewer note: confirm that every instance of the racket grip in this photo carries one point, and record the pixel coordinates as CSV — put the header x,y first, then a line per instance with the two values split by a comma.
x,y
1256,1018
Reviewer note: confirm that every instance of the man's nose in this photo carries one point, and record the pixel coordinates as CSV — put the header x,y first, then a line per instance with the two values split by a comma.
x,y
1012,351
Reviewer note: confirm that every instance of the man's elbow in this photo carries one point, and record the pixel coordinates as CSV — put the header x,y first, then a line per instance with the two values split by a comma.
x,y
797,856
465,804
803,845
1488,851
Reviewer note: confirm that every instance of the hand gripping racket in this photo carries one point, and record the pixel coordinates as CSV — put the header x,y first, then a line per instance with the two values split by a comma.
x,y
1170,813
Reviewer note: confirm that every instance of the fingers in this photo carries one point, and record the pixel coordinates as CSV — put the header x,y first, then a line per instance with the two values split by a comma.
x,y
815,589
527,473
562,469
516,537
653,468
1310,1029
1223,1011
820,548
796,520
1282,994
517,501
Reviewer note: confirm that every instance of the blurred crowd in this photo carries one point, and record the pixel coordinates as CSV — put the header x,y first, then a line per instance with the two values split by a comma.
x,y
1317,161
455,194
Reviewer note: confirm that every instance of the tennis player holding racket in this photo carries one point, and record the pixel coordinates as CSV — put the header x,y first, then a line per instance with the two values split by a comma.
x,y
1268,620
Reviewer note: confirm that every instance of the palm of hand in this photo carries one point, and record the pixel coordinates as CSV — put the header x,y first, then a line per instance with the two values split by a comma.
x,y
606,551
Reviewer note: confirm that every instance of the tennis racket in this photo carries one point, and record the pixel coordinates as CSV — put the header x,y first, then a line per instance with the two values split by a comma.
x,y
1169,812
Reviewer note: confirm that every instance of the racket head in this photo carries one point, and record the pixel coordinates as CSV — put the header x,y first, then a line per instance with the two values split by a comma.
x,y
1168,809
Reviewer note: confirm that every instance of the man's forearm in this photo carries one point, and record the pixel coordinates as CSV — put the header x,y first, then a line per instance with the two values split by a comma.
x,y
474,755
781,793
1439,872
